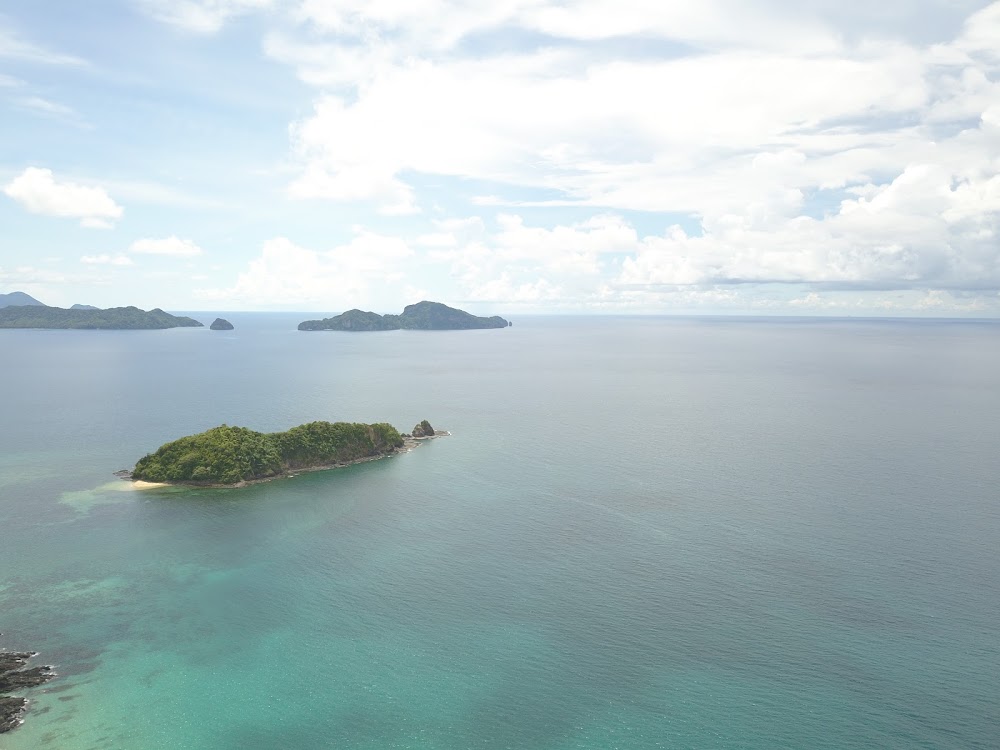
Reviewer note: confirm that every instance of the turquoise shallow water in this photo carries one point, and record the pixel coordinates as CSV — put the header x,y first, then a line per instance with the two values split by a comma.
x,y
643,533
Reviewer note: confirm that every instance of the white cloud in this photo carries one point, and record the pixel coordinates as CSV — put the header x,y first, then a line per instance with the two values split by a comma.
x,y
790,154
737,264
45,106
627,135
107,260
9,82
564,249
452,232
721,149
286,274
14,47
981,35
201,16
505,290
40,193
440,24
172,246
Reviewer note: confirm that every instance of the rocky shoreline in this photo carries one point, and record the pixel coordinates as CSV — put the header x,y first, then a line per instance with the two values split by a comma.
x,y
410,441
15,674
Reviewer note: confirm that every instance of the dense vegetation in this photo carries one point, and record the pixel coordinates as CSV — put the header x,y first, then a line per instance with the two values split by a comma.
x,y
229,455
352,320
423,316
116,318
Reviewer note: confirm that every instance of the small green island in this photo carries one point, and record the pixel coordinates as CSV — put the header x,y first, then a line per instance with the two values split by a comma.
x,y
422,316
114,318
227,456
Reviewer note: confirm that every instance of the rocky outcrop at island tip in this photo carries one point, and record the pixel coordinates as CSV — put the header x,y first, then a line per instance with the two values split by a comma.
x,y
423,316
15,675
423,430
221,324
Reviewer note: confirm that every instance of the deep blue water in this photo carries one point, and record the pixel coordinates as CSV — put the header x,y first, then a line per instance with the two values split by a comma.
x,y
643,533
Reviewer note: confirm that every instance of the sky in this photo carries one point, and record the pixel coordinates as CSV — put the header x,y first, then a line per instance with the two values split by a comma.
x,y
513,156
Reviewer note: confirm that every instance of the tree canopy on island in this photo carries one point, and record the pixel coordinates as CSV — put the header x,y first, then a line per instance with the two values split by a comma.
x,y
230,455
423,316
114,318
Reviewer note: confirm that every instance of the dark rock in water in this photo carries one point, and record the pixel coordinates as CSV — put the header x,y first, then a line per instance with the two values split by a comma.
x,y
11,660
25,678
423,429
221,324
11,711
13,676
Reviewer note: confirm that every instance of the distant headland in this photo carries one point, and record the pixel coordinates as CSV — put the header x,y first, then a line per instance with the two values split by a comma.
x,y
20,310
423,316
114,318
227,456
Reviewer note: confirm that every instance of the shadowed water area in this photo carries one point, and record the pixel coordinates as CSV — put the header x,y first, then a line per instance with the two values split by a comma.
x,y
642,533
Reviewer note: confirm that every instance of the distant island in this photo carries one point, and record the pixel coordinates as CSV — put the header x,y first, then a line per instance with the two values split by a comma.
x,y
221,324
227,456
423,316
114,318
16,299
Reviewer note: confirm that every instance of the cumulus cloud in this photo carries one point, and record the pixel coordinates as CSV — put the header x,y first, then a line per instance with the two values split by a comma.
x,y
623,134
200,16
819,147
717,146
286,274
171,246
38,191
106,260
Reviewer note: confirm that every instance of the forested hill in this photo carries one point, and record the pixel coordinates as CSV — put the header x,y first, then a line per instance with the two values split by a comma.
x,y
115,318
233,455
422,316
18,298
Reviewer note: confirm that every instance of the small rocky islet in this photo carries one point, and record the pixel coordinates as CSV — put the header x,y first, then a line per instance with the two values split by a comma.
x,y
15,674
221,324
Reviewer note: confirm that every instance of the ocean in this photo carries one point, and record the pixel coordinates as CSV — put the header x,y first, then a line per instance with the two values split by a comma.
x,y
643,532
